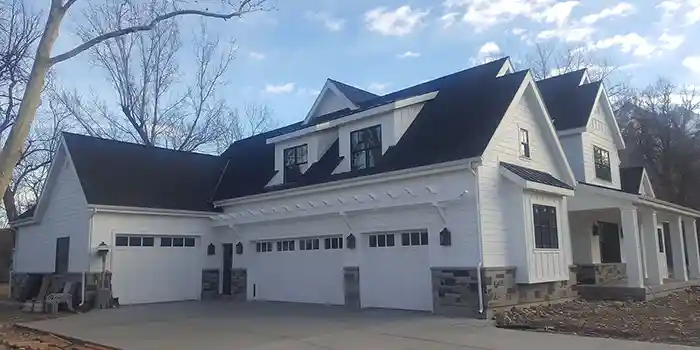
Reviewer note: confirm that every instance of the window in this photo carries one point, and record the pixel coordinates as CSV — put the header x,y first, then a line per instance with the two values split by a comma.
x,y
148,241
366,147
178,242
309,244
262,247
121,241
660,237
172,241
524,143
166,242
189,242
285,246
294,157
414,238
601,158
382,240
334,243
134,241
545,220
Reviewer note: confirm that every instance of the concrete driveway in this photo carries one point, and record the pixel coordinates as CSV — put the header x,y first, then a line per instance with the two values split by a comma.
x,y
236,326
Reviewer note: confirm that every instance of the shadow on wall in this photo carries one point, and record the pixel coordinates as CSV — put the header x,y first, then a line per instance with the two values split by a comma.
x,y
6,245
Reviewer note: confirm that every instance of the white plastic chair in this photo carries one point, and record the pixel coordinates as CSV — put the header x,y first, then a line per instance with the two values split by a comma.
x,y
53,300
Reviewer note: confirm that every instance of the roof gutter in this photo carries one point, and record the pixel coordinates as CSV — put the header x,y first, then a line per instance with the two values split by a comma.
x,y
664,205
361,180
149,211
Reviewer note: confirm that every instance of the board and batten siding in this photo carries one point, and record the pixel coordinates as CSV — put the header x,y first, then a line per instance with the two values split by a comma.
x,y
65,215
501,227
106,225
546,265
329,103
599,134
573,149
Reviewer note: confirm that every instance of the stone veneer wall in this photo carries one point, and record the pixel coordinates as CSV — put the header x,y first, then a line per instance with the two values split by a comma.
x,y
455,290
602,274
92,278
239,284
210,283
351,282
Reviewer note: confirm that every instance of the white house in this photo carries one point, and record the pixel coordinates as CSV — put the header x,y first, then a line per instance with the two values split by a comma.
x,y
391,201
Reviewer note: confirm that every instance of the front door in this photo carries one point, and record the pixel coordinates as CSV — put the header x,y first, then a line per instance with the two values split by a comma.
x,y
610,243
227,265
662,251
62,255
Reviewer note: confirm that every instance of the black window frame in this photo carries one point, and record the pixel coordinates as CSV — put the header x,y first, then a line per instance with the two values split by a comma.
x,y
263,247
601,161
333,243
371,152
309,244
382,240
524,137
300,156
545,226
414,238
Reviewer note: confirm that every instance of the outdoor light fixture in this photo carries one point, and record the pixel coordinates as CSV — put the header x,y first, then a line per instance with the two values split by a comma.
x,y
239,248
596,229
102,250
445,237
211,249
350,241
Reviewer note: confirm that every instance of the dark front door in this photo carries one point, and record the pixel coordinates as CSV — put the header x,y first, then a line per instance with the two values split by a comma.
x,y
62,254
228,263
667,245
610,243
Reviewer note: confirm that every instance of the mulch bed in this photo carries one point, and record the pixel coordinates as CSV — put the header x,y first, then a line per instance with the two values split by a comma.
x,y
672,319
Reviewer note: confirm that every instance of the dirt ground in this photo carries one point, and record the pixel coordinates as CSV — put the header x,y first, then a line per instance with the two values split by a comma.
x,y
672,319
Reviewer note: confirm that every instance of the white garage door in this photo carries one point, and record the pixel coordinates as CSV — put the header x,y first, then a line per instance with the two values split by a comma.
x,y
151,269
302,270
395,271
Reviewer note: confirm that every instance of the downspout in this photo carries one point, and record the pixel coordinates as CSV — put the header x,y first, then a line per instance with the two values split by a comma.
x,y
84,288
474,167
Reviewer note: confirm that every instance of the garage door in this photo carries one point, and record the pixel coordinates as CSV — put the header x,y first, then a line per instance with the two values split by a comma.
x,y
395,271
306,270
151,269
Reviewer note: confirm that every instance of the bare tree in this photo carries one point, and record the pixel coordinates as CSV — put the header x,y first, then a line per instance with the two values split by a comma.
x,y
43,60
240,123
660,126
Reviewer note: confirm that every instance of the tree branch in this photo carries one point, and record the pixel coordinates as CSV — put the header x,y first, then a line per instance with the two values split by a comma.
x,y
68,4
142,28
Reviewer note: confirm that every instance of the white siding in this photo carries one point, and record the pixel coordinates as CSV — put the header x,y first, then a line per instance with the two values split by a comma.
x,y
329,103
573,148
106,225
545,265
317,145
496,197
599,134
65,215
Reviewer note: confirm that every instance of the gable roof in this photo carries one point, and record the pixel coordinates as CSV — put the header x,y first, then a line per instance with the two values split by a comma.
x,y
442,123
126,174
354,94
536,176
569,102
631,179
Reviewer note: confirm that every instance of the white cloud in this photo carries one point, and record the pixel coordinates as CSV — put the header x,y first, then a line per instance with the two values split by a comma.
x,y
279,89
449,19
399,22
482,14
490,48
558,13
670,7
567,34
622,9
519,31
671,42
331,23
629,43
693,14
378,87
409,54
692,63
258,56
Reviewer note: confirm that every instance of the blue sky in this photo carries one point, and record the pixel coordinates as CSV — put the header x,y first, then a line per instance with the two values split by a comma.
x,y
285,55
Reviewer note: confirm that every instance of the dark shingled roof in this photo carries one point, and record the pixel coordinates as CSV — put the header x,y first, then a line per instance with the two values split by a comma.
x,y
536,175
631,179
477,91
569,104
354,94
126,174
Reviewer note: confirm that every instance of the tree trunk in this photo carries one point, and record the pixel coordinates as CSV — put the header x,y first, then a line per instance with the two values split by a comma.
x,y
12,150
10,205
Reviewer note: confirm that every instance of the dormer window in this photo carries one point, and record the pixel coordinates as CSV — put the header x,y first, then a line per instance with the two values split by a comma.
x,y
294,158
366,147
601,159
524,143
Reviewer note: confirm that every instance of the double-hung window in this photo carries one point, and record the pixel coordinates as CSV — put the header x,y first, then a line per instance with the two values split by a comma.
x,y
601,158
366,147
545,221
524,143
294,158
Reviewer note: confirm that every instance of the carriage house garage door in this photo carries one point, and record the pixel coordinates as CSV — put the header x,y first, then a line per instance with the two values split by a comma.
x,y
395,271
151,269
308,270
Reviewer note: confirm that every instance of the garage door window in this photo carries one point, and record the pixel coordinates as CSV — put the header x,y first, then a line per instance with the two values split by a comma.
x,y
309,244
381,240
334,243
414,238
262,247
176,241
285,246
133,241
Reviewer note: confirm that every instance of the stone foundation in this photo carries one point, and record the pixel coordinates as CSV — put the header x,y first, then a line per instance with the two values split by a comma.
x,y
19,280
239,284
456,291
351,282
210,283
602,274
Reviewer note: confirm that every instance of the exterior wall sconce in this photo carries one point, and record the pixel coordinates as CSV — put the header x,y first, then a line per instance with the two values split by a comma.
x,y
596,229
350,241
211,249
239,248
445,237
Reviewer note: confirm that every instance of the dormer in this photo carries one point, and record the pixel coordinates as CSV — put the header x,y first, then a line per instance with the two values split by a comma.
x,y
586,127
336,96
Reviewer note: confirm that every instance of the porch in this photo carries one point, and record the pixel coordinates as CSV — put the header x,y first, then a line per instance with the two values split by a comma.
x,y
629,246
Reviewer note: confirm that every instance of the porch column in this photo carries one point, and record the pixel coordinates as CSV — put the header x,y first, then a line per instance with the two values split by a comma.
x,y
680,272
649,226
631,248
691,243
